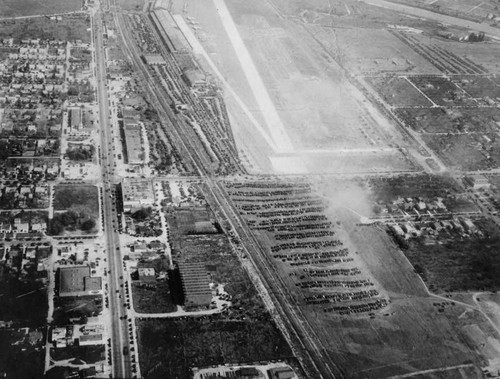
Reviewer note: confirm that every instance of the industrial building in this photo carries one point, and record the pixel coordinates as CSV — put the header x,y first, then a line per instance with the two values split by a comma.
x,y
195,285
75,117
77,281
133,141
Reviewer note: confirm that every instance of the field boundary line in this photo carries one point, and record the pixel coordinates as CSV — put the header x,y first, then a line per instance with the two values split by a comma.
x,y
441,369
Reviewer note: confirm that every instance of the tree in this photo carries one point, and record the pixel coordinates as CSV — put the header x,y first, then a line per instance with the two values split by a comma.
x,y
88,225
141,214
55,227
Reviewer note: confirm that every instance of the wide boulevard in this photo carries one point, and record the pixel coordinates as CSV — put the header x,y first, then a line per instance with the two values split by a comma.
x,y
119,334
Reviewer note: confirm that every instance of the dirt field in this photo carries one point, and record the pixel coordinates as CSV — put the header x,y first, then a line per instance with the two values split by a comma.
x,y
358,52
13,8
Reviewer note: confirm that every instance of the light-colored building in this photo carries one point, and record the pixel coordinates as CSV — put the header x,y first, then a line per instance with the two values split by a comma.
x,y
137,193
477,181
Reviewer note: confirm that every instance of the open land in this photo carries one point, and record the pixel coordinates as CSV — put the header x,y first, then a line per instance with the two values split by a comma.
x,y
70,28
13,8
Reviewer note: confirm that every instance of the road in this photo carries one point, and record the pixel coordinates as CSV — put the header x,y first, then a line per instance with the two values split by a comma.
x,y
119,333
414,11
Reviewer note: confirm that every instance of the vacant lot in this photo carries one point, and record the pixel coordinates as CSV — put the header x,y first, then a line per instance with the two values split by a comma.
x,y
362,55
198,342
466,151
458,265
196,220
82,306
11,8
69,29
398,91
152,298
478,86
132,5
23,301
69,197
386,190
450,120
17,351
441,90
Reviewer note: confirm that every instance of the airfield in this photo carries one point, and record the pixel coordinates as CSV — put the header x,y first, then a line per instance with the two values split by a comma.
x,y
291,105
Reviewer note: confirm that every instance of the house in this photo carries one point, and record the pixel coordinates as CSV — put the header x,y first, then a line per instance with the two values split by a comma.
x,y
5,227
397,229
421,206
146,274
467,224
30,253
22,227
39,227
140,247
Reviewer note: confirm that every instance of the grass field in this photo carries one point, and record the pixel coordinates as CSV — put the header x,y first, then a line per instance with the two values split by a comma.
x,y
458,265
388,189
152,300
450,120
83,306
168,348
157,297
441,90
479,86
69,29
398,92
131,5
17,351
11,8
466,151
75,197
